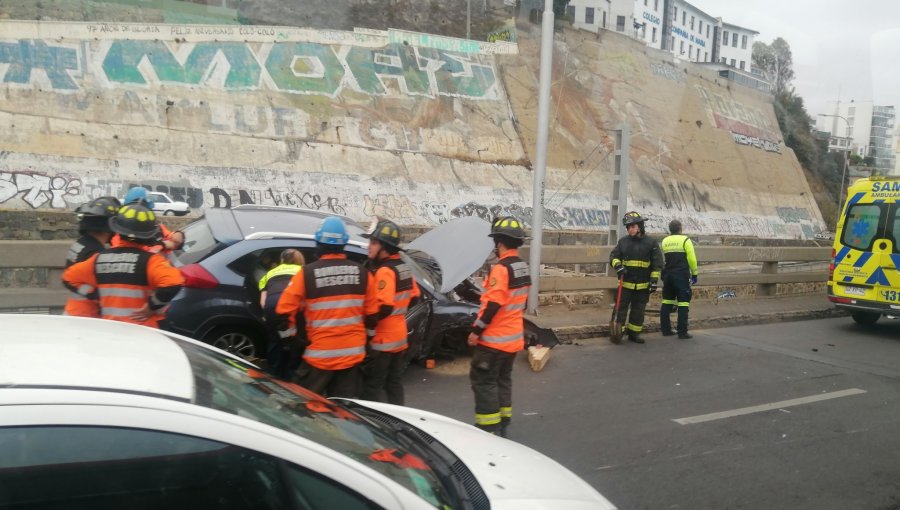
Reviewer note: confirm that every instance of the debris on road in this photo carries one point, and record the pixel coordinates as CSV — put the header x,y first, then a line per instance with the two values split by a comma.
x,y
538,356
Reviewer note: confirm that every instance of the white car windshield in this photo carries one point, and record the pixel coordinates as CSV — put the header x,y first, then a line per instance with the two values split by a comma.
x,y
228,385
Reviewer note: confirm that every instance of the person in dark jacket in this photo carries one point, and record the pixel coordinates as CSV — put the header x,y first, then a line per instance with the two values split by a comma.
x,y
638,261
678,276
93,225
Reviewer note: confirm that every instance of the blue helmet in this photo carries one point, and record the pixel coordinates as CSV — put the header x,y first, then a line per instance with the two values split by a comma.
x,y
332,231
138,195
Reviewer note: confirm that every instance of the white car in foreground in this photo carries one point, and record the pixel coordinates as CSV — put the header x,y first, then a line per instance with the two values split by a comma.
x,y
105,415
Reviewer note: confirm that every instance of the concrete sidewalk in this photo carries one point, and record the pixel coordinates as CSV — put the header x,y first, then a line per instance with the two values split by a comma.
x,y
586,321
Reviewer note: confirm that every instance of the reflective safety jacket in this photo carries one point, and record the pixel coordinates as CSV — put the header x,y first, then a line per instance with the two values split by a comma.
x,y
679,254
395,287
78,305
275,281
332,293
126,279
641,257
499,324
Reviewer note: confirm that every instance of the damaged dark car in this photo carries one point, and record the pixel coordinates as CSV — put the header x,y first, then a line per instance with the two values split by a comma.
x,y
227,251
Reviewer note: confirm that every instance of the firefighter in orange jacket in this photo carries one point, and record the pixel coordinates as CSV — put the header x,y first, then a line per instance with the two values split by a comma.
x,y
132,285
327,299
93,225
498,333
395,289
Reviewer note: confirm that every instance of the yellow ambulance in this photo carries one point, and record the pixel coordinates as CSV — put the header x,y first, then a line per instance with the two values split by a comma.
x,y
865,269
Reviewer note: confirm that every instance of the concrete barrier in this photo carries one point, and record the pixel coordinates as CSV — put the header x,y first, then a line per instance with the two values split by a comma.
x,y
30,271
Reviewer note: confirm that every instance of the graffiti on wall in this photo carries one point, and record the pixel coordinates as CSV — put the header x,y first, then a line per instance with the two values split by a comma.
x,y
290,67
39,191
668,72
747,124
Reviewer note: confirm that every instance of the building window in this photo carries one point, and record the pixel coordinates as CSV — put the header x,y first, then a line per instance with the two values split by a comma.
x,y
656,5
589,16
700,26
706,56
732,62
725,38
645,3
724,60
683,18
691,51
604,19
734,39
654,34
743,42
682,47
676,13
692,22
620,23
643,30
742,65
707,31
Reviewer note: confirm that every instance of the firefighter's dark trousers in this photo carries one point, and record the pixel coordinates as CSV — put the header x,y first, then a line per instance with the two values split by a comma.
x,y
633,304
330,383
383,376
491,378
676,294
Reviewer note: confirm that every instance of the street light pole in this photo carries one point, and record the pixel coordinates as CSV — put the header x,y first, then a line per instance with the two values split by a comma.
x,y
840,197
468,19
540,156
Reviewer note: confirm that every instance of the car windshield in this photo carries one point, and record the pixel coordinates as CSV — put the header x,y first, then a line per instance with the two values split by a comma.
x,y
226,384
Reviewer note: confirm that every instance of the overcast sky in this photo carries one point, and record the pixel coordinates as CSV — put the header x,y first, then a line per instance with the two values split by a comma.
x,y
841,48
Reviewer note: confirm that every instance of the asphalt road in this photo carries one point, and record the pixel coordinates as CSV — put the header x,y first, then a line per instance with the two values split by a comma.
x,y
800,415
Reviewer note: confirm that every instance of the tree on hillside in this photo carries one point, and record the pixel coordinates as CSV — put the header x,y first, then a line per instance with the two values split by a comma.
x,y
776,62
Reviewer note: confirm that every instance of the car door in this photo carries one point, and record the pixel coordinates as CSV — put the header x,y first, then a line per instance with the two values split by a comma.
x,y
888,248
861,252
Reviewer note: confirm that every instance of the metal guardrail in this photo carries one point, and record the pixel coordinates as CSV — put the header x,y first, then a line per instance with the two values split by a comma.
x,y
45,260
767,278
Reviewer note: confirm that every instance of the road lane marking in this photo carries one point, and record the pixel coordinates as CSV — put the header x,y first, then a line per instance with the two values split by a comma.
x,y
768,407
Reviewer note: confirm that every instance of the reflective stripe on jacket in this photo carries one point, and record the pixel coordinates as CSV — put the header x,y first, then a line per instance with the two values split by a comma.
x,y
331,293
394,287
507,285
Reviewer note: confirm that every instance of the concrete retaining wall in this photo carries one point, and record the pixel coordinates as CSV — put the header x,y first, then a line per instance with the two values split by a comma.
x,y
417,128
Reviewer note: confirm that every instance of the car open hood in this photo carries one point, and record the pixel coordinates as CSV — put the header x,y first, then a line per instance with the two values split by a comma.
x,y
459,247
512,475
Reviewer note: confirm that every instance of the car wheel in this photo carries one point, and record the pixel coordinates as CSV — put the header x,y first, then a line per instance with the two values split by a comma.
x,y
865,318
169,212
238,341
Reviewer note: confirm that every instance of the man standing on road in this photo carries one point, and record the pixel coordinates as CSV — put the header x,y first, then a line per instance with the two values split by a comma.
x,y
498,332
395,288
271,286
328,299
132,284
637,261
679,274
93,225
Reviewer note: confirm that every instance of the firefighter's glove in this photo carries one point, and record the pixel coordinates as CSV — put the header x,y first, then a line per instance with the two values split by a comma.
x,y
694,280
652,287
621,271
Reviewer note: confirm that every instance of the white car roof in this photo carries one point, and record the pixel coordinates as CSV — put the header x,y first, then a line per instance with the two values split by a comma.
x,y
117,351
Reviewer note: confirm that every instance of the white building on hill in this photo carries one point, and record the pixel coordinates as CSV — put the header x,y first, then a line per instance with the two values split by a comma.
x,y
672,25
869,127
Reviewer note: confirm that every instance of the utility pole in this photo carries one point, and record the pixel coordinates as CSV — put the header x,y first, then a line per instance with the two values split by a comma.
x,y
540,164
468,19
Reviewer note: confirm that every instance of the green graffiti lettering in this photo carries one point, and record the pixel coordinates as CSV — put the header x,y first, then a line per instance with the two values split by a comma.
x,y
395,61
25,55
460,75
120,64
305,67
